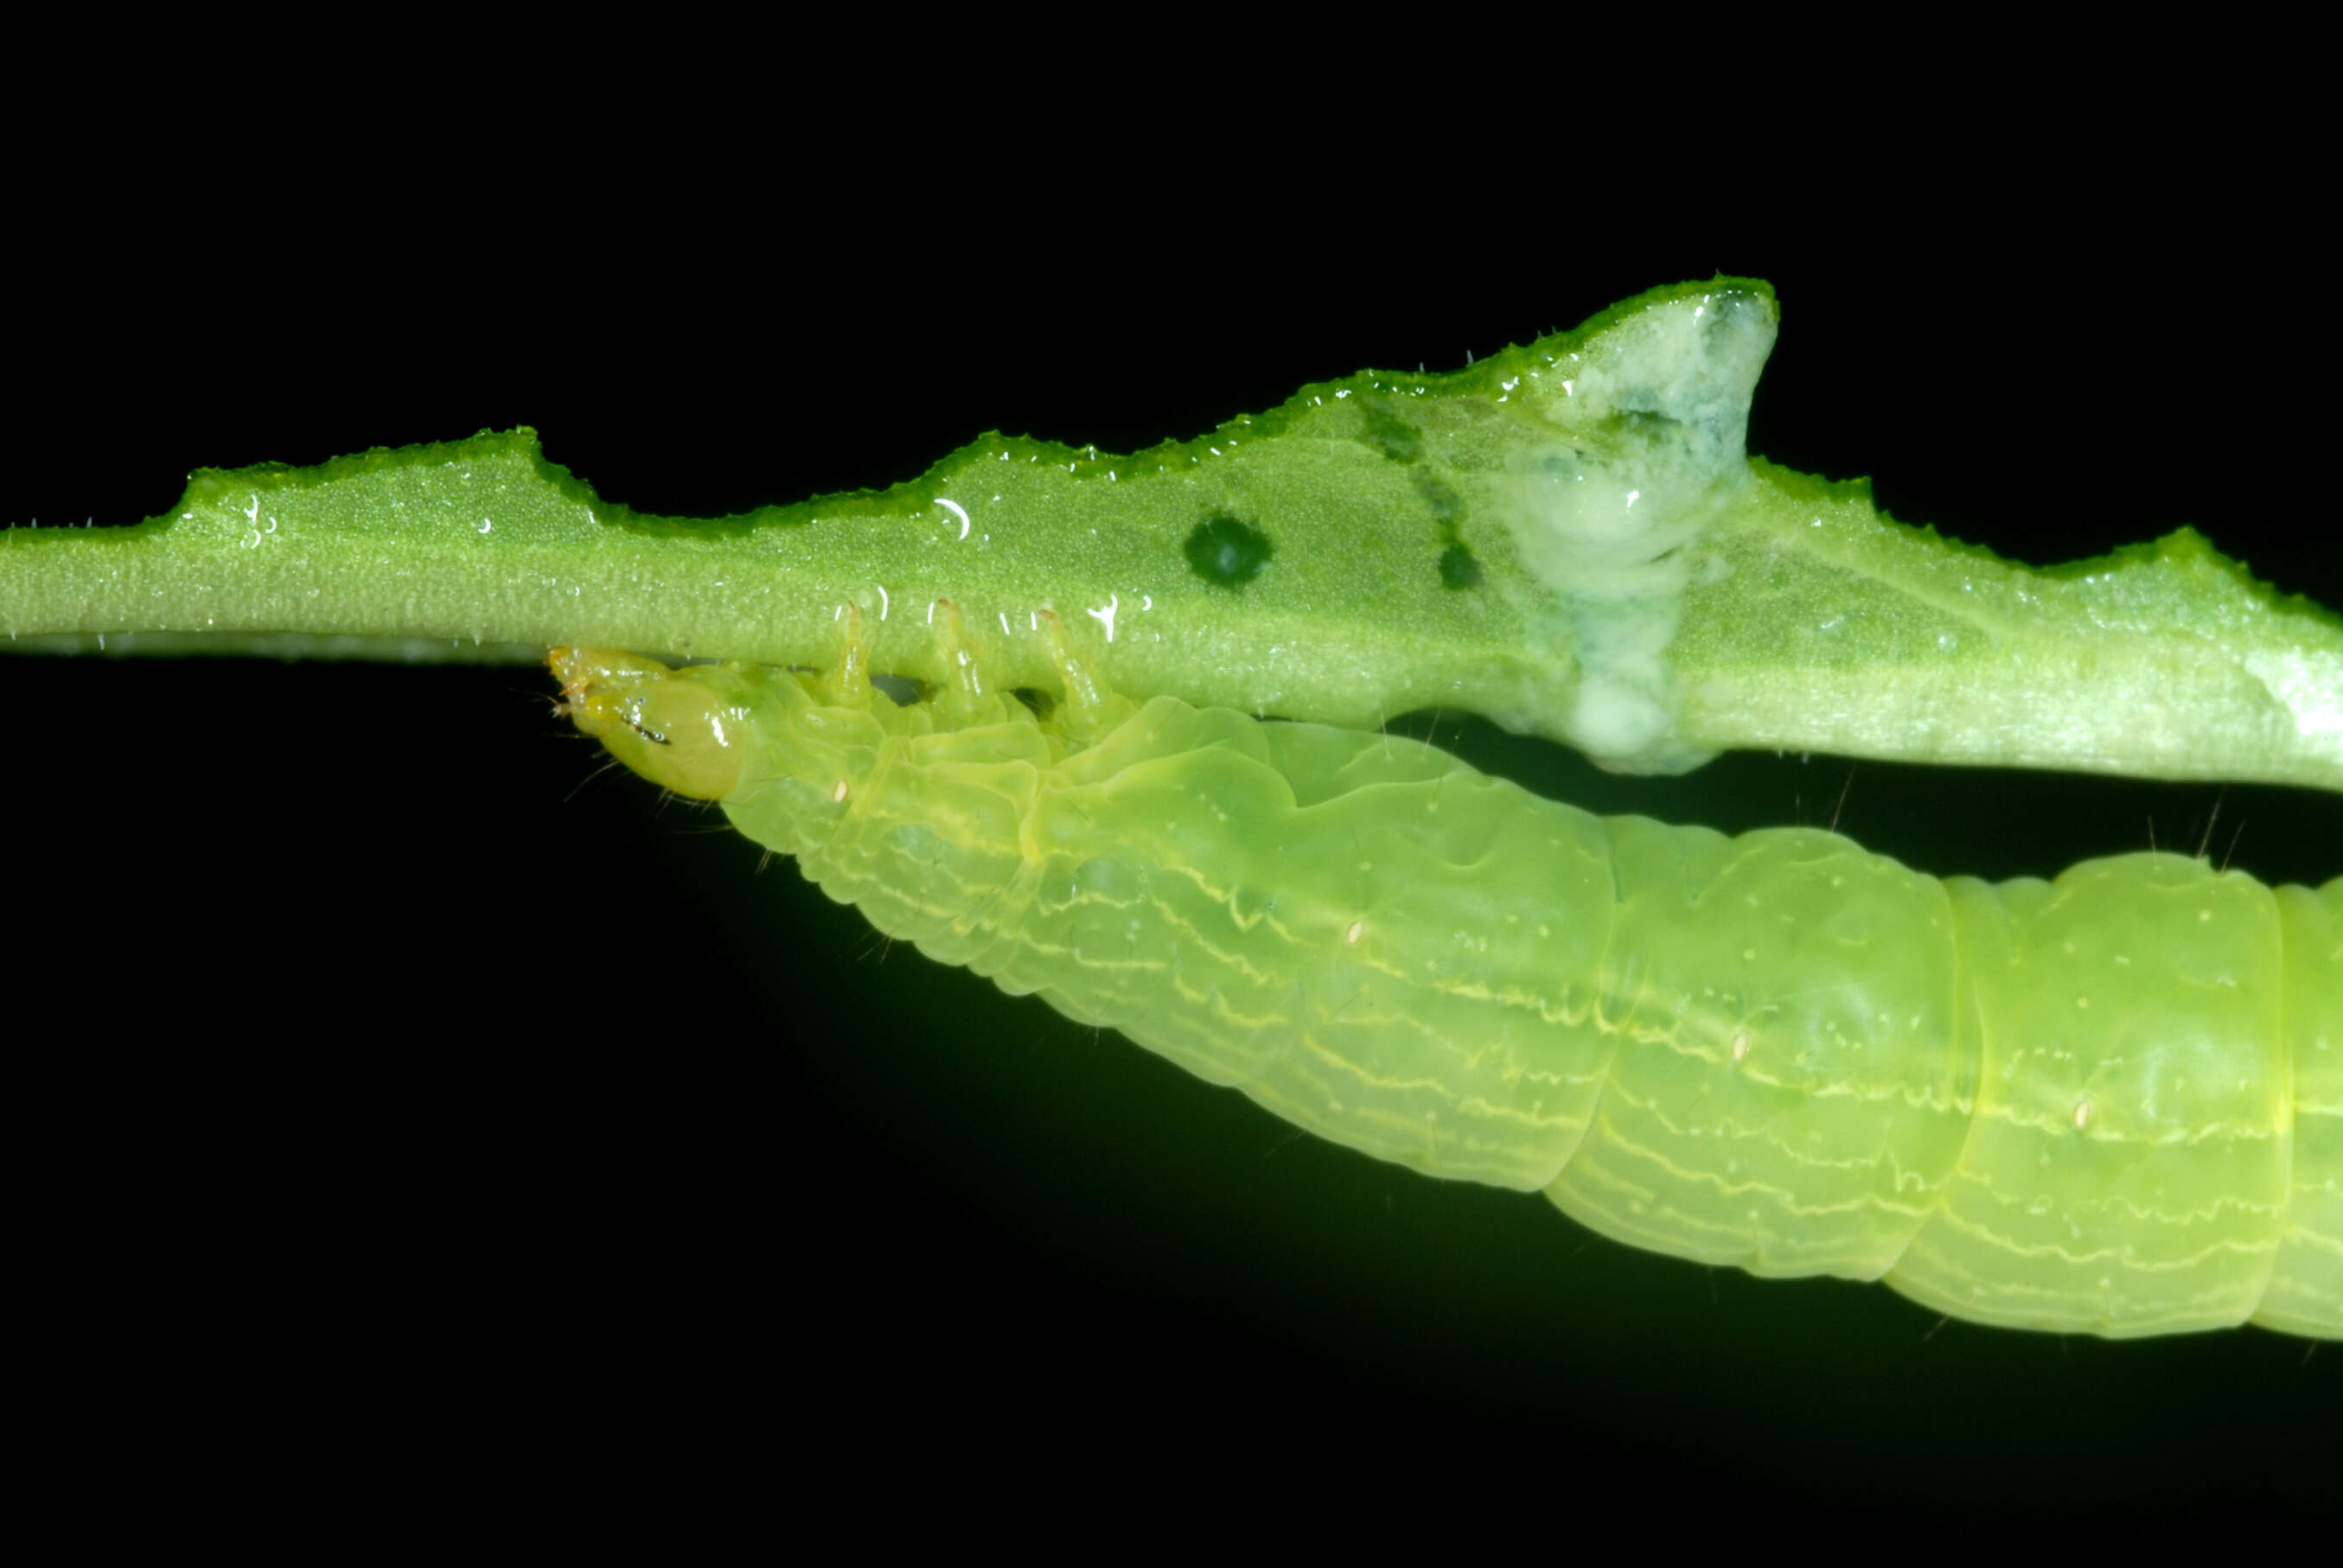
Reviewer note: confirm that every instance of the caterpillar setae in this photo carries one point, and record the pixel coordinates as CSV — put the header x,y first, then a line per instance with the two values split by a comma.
x,y
2110,1103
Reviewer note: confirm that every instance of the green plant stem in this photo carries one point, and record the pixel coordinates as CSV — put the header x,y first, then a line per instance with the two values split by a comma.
x,y
1400,575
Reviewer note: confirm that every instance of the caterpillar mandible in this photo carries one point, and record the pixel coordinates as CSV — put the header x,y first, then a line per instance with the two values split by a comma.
x,y
2110,1103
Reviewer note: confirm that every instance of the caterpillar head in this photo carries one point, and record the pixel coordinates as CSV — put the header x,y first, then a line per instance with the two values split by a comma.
x,y
756,738
686,729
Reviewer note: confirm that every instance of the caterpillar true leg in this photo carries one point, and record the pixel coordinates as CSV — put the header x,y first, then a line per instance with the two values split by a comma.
x,y
1089,709
847,684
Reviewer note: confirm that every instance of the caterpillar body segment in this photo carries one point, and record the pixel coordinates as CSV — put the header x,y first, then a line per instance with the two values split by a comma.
x,y
2109,1103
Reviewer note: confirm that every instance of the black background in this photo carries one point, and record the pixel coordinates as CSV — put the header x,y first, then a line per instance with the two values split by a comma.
x,y
385,1071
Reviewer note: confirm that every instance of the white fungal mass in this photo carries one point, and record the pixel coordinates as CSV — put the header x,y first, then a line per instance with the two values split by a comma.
x,y
1650,446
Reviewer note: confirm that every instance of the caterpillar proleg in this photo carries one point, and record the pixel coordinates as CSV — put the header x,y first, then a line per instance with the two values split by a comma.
x,y
2108,1103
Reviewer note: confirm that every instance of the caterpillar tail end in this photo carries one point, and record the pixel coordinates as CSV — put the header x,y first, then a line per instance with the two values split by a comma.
x,y
671,726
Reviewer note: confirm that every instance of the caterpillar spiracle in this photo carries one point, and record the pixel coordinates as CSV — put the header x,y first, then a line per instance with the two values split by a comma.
x,y
2111,1102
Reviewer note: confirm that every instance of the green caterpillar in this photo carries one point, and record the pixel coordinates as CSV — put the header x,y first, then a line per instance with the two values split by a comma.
x,y
2111,1103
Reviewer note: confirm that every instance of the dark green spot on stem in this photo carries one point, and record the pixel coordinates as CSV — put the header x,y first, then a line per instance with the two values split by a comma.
x,y
1226,552
1387,433
1459,567
1438,494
